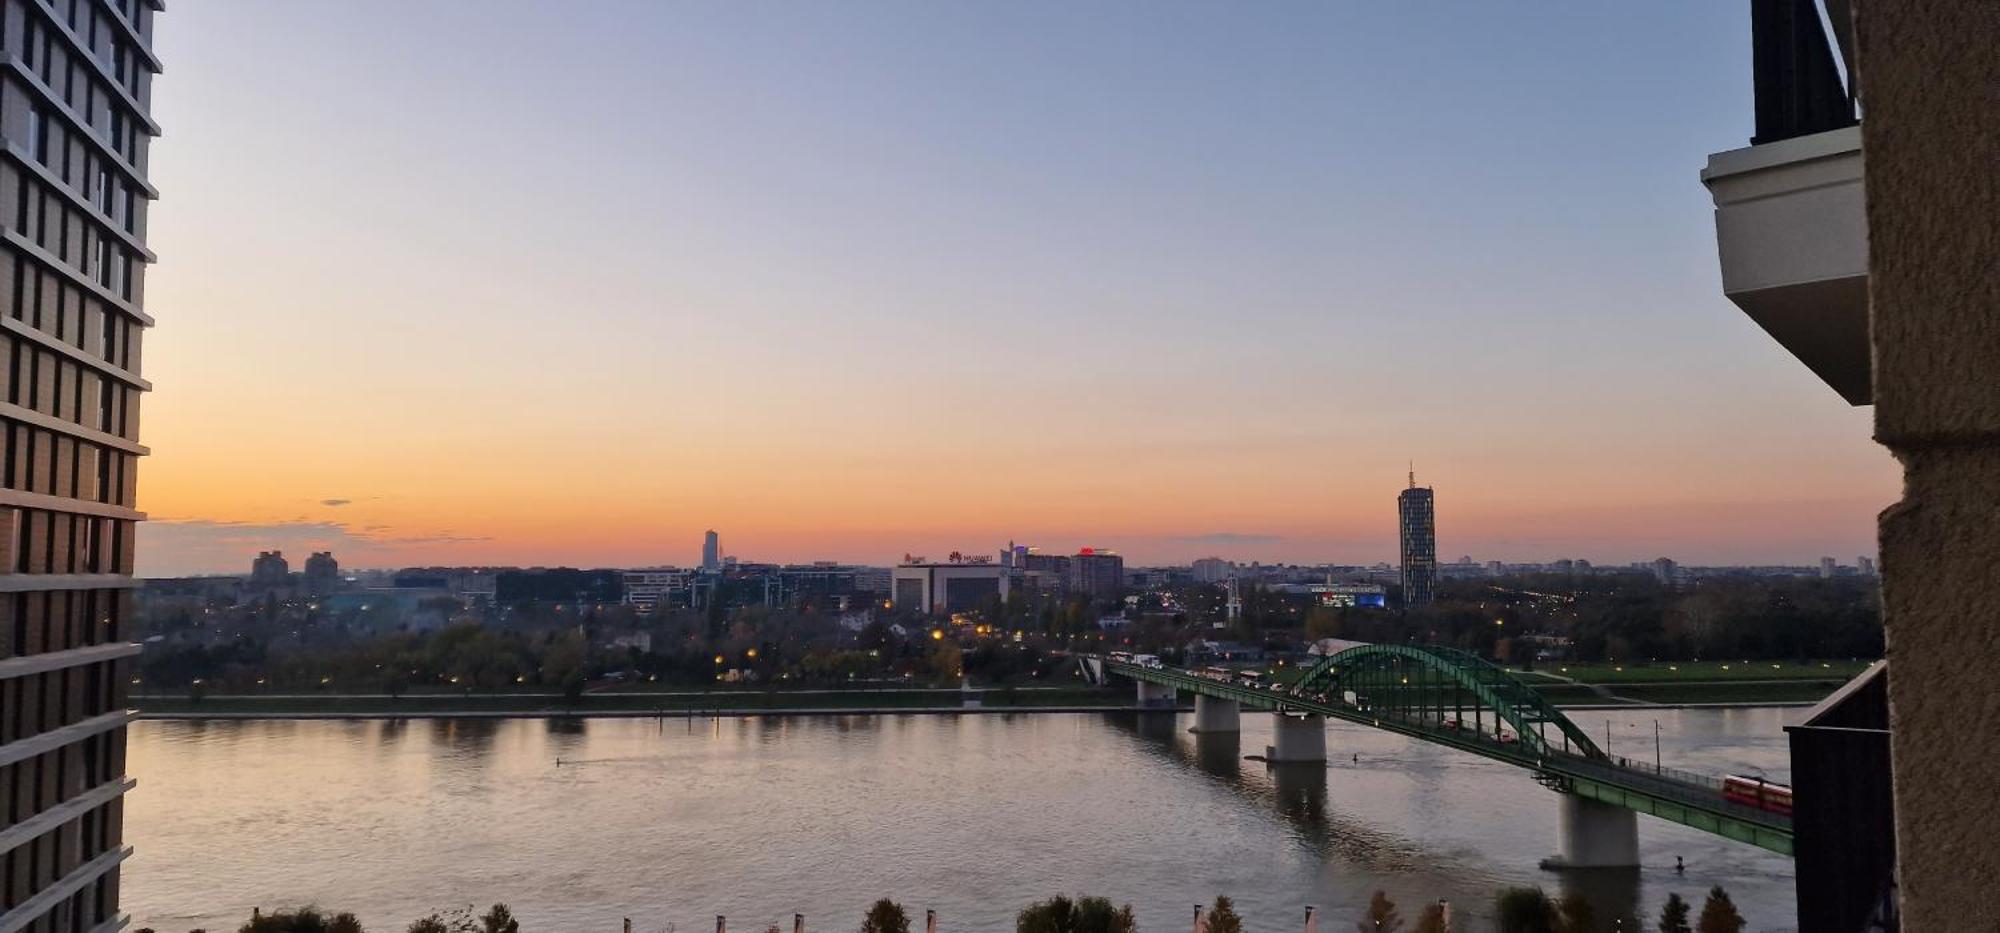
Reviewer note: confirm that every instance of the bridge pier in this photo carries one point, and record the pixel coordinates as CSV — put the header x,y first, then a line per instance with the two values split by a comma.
x,y
1296,738
1596,835
1214,714
1155,696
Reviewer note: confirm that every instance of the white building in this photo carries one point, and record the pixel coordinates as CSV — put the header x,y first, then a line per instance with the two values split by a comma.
x,y
1213,570
942,588
647,590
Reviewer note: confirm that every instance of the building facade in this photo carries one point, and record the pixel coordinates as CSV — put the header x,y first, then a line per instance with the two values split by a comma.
x,y
1417,511
74,132
711,552
270,570
943,588
322,575
1096,572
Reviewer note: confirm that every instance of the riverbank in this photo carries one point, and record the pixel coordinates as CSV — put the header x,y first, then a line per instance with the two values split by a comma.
x,y
631,704
1569,695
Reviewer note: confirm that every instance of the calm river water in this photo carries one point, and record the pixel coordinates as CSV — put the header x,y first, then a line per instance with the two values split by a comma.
x,y
974,816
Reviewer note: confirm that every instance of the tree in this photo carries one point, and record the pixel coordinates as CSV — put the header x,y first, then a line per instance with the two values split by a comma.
x,y
1719,914
1382,916
885,917
1432,920
1059,914
1096,915
1674,916
1576,913
451,921
1525,910
1055,915
499,919
1222,917
302,920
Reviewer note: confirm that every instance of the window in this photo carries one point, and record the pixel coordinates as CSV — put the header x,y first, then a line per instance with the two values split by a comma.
x,y
36,133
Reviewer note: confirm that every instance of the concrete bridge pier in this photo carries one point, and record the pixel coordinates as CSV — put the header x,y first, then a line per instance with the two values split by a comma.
x,y
1596,835
1296,738
1155,696
1214,714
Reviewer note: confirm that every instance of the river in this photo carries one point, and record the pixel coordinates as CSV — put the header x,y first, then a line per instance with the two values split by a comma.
x,y
676,821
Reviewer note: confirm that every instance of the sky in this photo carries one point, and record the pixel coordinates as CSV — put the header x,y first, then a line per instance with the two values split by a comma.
x,y
540,283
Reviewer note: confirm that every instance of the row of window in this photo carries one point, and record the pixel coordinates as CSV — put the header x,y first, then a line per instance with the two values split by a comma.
x,y
52,59
28,868
59,620
57,306
41,461
56,385
75,237
33,785
41,703
45,542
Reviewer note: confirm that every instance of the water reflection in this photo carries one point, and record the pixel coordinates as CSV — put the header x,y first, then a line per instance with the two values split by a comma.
x,y
1298,792
676,821
1219,753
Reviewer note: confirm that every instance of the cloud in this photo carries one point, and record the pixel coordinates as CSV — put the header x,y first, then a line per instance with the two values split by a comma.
x,y
1229,537
185,546
334,502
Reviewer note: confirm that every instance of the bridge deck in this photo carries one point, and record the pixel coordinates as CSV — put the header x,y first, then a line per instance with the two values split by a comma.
x,y
1678,796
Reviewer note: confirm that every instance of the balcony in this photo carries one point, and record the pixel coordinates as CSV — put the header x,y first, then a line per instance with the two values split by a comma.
x,y
1790,223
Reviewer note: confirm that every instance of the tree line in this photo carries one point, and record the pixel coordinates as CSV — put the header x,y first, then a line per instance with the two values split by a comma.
x,y
1516,910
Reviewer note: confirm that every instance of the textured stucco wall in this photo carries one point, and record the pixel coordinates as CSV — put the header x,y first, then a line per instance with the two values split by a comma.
x,y
1930,89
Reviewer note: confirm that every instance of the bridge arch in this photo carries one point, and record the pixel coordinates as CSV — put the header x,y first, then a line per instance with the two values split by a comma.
x,y
1446,691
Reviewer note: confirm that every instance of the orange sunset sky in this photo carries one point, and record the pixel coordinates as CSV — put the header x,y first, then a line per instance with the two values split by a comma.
x,y
932,279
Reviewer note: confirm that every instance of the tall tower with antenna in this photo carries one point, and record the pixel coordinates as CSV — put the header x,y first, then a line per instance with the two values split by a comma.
x,y
1416,510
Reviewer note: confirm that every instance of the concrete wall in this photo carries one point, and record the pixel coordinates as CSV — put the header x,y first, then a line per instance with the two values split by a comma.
x,y
1930,88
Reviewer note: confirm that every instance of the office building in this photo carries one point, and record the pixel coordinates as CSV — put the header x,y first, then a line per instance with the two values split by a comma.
x,y
951,587
711,552
1096,572
74,130
1417,509
648,590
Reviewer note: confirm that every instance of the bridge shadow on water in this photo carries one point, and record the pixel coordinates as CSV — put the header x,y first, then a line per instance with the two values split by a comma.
x,y
1298,793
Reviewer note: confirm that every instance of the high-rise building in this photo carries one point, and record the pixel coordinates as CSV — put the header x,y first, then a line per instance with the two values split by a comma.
x,y
322,574
1666,571
1827,567
1417,509
270,570
711,552
1865,566
1096,572
75,129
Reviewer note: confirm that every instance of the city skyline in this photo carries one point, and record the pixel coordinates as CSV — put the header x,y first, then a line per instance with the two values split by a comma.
x,y
723,337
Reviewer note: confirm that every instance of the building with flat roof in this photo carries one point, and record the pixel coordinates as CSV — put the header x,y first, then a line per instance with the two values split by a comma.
x,y
949,587
1096,572
75,129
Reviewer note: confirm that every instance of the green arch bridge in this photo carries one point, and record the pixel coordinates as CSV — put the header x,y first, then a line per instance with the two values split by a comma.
x,y
1452,698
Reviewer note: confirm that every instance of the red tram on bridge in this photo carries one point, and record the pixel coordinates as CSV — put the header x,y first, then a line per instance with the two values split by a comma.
x,y
1757,792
